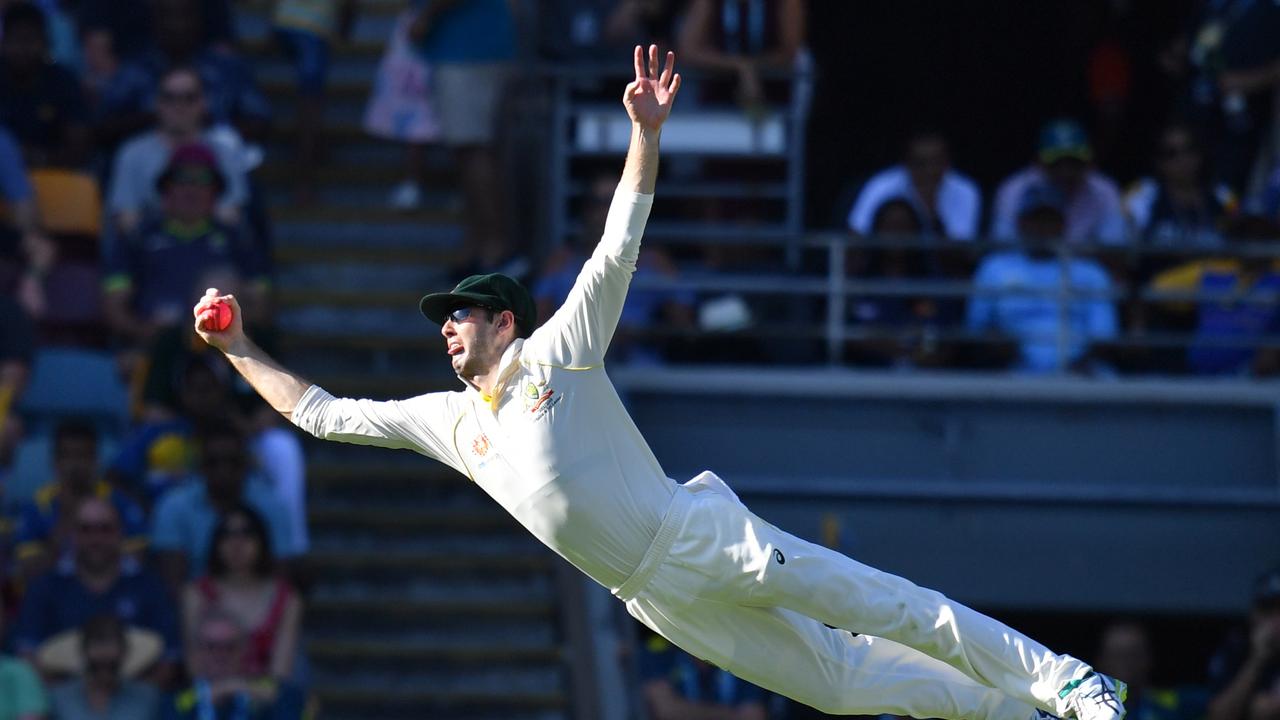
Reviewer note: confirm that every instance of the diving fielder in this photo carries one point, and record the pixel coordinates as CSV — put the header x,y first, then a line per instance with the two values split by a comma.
x,y
540,428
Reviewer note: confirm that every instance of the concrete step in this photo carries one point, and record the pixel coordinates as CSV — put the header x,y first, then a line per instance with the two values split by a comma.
x,y
423,594
438,563
407,610
439,173
325,294
373,24
401,321
382,385
398,519
426,655
475,633
341,213
340,194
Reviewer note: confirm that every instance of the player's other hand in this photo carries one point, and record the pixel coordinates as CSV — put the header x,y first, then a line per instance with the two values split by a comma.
x,y
648,98
220,339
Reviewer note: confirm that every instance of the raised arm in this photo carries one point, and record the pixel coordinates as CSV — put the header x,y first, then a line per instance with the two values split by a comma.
x,y
578,334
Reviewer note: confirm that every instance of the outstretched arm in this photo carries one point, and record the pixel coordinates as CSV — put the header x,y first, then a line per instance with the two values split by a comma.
x,y
281,388
578,335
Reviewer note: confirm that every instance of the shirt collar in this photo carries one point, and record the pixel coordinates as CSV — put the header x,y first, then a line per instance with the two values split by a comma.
x,y
509,364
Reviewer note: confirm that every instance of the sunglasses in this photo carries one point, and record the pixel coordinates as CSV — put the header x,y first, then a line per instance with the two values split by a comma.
x,y
463,313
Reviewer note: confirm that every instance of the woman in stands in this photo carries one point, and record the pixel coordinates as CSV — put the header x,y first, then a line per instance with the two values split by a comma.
x,y
243,583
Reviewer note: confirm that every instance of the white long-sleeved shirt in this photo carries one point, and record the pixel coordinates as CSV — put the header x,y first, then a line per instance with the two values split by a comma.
x,y
554,444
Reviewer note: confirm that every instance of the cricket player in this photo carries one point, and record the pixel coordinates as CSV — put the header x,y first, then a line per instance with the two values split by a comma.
x,y
540,428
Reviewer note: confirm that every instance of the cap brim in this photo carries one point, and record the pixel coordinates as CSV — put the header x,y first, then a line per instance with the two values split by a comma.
x,y
436,306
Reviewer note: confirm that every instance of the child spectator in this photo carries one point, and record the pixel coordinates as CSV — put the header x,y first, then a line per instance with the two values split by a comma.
x,y
102,692
400,109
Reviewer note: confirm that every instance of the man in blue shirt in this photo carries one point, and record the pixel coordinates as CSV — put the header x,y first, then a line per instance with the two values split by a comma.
x,y
1017,293
186,516
99,579
42,535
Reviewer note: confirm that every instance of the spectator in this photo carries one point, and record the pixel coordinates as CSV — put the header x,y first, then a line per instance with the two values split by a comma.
x,y
400,109
118,93
903,330
1237,306
1234,61
231,93
220,688
188,390
470,46
1015,292
99,579
677,686
746,38
132,25
243,583
941,196
21,695
46,524
134,194
1178,209
1245,672
151,274
1092,202
1124,652
646,307
26,254
42,104
186,517
305,28
102,692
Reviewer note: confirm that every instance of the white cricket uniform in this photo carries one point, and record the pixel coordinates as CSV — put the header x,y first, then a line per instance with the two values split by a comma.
x,y
555,447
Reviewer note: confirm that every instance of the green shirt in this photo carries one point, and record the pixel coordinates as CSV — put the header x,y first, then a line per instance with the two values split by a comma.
x,y
20,691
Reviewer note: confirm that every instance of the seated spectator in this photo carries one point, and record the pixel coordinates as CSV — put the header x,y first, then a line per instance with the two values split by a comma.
x,y
1237,306
23,697
179,39
645,308
1091,200
677,685
26,254
102,692
221,689
118,94
99,579
1244,674
903,328
941,196
243,583
1124,652
160,454
151,274
42,104
186,517
46,522
729,36
1178,209
1015,292
134,193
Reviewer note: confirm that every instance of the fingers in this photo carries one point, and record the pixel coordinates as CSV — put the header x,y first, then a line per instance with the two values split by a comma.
x,y
675,84
639,58
664,80
653,61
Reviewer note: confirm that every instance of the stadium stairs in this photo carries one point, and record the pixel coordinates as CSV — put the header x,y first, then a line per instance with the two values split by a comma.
x,y
427,601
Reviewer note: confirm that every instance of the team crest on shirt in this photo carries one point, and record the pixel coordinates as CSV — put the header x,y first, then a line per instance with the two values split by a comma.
x,y
539,398
480,446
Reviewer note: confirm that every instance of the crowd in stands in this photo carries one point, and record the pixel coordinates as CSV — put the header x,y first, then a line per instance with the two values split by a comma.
x,y
157,571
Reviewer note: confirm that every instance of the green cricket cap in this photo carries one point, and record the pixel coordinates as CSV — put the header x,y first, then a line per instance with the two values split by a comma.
x,y
494,291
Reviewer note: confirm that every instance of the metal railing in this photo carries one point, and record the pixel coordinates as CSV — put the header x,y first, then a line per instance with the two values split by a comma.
x,y
831,285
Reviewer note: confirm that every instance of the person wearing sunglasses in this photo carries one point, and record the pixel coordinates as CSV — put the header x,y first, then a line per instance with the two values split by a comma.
x,y
541,429
100,580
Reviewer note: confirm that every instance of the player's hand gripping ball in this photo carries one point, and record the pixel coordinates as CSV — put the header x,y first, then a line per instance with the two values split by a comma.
x,y
216,317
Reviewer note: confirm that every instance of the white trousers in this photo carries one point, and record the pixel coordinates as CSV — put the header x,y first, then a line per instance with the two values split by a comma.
x,y
734,590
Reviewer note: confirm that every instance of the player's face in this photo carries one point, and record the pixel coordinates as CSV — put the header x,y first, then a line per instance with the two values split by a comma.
x,y
471,340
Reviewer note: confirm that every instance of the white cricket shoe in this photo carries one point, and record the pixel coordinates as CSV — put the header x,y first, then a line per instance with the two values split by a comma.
x,y
1094,697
